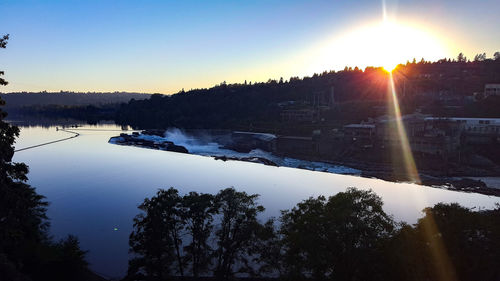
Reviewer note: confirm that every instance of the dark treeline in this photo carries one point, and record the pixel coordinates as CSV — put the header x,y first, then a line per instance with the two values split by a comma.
x,y
91,114
17,100
357,95
344,237
89,107
27,252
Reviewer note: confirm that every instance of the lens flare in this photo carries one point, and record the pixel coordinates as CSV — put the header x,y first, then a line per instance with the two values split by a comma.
x,y
441,260
409,162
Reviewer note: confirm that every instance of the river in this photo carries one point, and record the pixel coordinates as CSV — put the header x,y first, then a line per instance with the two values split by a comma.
x,y
94,187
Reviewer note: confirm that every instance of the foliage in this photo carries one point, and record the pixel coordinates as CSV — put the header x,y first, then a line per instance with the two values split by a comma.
x,y
156,238
3,44
347,236
496,55
450,242
359,94
26,252
198,212
168,222
259,105
334,238
90,113
22,210
266,251
237,228
62,260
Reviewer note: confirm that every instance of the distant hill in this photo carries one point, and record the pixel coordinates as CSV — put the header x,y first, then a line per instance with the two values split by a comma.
x,y
443,88
26,99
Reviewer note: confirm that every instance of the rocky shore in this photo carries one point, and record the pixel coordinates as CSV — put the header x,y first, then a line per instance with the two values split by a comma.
x,y
136,140
259,160
458,180
155,139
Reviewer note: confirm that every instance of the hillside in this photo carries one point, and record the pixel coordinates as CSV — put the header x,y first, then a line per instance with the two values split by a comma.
x,y
25,99
444,87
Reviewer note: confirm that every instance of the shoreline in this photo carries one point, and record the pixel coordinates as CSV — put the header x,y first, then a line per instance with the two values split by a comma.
x,y
363,169
457,182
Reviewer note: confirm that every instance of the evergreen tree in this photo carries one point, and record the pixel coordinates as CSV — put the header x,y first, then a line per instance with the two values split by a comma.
x,y
26,252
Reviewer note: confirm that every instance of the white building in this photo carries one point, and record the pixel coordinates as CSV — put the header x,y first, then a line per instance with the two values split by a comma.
x,y
491,90
487,126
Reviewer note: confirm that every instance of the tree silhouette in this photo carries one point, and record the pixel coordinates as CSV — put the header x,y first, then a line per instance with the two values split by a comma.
x,y
345,237
496,56
461,58
26,252
480,57
66,260
267,251
156,239
470,245
470,239
3,44
335,238
198,211
238,228
167,221
22,210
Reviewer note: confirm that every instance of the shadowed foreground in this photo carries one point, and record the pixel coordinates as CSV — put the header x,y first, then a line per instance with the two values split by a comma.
x,y
344,237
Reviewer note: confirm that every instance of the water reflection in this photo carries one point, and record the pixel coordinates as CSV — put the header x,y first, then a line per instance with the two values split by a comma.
x,y
94,187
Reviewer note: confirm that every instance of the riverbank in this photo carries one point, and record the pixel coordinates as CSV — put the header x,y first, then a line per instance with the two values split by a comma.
x,y
220,151
160,140
458,181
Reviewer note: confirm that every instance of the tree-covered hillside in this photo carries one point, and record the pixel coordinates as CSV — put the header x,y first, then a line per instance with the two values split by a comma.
x,y
358,94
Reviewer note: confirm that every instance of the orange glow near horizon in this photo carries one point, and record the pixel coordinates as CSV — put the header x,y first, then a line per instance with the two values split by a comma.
x,y
389,68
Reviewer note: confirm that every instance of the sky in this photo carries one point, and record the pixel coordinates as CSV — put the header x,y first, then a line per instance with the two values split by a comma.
x,y
164,46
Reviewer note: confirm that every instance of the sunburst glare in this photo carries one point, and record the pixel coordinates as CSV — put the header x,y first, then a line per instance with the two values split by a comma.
x,y
443,265
387,44
410,167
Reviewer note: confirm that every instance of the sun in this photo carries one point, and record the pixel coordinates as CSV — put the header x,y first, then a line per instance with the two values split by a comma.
x,y
389,67
400,43
380,44
396,43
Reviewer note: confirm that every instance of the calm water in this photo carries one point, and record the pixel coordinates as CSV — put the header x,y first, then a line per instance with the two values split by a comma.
x,y
94,187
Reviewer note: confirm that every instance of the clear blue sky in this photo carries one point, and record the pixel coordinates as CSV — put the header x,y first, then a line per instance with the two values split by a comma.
x,y
164,46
